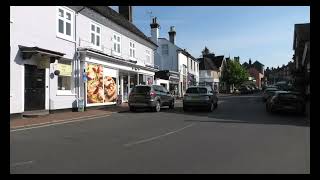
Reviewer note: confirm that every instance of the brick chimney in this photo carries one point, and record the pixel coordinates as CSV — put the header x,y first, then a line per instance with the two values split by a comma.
x,y
154,30
126,11
172,35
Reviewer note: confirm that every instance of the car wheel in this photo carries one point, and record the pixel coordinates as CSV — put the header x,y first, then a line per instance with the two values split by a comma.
x,y
132,109
269,108
171,106
157,107
211,107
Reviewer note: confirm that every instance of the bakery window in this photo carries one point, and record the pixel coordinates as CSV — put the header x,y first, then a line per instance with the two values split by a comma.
x,y
65,77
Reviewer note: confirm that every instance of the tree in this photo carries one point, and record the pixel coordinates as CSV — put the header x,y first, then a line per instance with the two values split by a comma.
x,y
234,73
205,51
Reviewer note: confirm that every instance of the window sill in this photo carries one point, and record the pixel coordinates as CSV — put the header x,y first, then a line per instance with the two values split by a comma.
x,y
66,39
65,93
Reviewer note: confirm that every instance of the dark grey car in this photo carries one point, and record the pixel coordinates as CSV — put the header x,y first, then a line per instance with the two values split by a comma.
x,y
150,96
200,96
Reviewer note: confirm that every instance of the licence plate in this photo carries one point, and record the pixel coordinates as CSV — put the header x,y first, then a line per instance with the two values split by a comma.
x,y
195,98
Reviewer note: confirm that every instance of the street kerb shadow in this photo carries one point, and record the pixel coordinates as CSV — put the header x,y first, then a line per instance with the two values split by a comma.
x,y
258,115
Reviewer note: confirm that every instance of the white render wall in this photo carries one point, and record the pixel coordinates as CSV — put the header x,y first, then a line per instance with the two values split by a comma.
x,y
170,61
108,28
34,26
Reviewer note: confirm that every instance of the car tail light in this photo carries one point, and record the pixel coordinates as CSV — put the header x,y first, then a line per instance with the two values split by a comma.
x,y
153,94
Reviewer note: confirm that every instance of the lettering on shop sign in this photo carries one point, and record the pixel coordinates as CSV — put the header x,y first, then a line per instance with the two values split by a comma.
x,y
65,69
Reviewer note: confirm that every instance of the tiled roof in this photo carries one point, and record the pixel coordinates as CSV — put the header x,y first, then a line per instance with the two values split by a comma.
x,y
120,20
207,63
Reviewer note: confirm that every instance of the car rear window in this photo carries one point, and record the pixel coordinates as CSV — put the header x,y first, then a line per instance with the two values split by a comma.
x,y
196,90
141,89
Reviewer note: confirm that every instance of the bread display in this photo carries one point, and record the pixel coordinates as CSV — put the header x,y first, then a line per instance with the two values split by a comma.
x,y
100,89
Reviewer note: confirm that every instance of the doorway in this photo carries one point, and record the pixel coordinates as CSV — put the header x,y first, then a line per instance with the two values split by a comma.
x,y
34,93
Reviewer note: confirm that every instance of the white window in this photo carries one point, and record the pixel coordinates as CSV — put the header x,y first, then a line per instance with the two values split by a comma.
x,y
184,69
132,48
191,64
65,23
95,34
165,49
148,57
65,77
116,44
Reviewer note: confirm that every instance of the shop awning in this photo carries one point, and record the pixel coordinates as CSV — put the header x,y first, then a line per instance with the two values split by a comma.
x,y
28,52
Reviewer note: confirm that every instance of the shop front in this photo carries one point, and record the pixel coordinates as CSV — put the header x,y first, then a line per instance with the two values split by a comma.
x,y
109,80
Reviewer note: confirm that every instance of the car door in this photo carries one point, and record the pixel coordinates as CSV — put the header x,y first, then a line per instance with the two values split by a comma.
x,y
166,96
158,91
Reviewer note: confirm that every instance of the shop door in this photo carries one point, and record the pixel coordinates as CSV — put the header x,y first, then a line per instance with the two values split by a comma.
x,y
125,88
34,93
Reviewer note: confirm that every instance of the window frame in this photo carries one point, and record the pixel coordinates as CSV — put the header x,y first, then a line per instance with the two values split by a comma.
x,y
95,35
148,54
64,19
115,41
133,49
162,49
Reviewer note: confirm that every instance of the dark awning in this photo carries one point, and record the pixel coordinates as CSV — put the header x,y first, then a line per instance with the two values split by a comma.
x,y
28,52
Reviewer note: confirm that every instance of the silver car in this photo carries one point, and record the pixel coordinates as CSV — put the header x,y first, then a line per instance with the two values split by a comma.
x,y
200,96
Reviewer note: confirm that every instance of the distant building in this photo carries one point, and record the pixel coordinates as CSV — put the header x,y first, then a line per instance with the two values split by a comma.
x,y
210,68
256,70
181,67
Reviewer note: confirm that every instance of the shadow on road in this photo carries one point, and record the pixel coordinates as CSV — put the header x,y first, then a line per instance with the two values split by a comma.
x,y
241,110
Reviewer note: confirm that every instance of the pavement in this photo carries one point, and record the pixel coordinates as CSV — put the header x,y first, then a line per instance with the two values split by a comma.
x,y
239,137
65,116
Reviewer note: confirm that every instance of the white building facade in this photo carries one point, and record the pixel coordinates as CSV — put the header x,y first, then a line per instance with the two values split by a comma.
x,y
169,57
60,55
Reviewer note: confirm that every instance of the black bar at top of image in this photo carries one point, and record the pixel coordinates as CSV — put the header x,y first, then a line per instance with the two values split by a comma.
x,y
166,2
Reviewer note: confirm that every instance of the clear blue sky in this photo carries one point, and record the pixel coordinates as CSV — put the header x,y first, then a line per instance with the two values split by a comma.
x,y
263,33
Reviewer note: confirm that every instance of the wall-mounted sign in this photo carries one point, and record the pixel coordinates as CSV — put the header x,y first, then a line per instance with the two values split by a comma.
x,y
65,69
43,63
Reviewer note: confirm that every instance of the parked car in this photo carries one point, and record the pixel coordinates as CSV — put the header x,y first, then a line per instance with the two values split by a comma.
x,y
150,96
286,101
244,90
268,93
200,96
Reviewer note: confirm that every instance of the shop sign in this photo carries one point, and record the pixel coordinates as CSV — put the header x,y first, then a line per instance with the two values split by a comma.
x,y
43,63
65,69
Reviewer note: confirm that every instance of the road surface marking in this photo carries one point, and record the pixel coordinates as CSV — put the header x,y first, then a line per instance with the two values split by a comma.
x,y
157,137
21,163
57,123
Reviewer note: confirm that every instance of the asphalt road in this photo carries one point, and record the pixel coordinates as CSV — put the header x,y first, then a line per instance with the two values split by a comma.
x,y
238,137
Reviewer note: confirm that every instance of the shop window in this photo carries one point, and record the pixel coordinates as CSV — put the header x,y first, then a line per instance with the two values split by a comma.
x,y
65,78
65,23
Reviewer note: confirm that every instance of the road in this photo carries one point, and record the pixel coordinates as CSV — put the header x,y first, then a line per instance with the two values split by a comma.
x,y
238,137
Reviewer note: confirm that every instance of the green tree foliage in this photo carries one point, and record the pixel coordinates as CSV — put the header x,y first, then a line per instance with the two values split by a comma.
x,y
234,73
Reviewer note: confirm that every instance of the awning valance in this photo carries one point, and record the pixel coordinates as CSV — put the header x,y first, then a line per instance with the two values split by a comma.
x,y
28,52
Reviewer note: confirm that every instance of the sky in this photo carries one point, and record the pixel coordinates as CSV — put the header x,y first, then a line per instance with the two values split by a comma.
x,y
263,33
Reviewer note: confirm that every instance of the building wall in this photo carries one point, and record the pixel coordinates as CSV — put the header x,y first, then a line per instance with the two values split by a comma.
x,y
34,26
167,62
108,28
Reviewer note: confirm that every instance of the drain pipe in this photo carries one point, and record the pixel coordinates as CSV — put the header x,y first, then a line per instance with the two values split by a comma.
x,y
77,60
